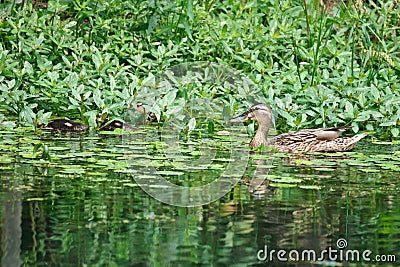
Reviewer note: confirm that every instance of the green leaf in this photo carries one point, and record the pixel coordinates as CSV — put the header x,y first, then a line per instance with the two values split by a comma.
x,y
149,81
388,123
76,94
28,115
96,60
66,61
73,101
97,99
375,93
259,65
395,132
113,84
189,6
27,68
43,117
355,127
92,114
39,40
187,27
152,24
168,99
363,116
349,110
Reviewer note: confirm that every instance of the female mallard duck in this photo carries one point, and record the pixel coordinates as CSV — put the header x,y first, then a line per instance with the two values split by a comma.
x,y
307,140
66,125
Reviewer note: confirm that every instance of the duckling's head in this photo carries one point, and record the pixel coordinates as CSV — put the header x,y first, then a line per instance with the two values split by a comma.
x,y
259,112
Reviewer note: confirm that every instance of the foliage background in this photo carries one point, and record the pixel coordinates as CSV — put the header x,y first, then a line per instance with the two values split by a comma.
x,y
317,66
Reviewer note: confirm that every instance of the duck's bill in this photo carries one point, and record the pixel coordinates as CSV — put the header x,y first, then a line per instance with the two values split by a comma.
x,y
240,118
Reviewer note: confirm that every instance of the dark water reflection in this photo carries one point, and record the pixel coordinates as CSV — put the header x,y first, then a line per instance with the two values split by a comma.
x,y
106,220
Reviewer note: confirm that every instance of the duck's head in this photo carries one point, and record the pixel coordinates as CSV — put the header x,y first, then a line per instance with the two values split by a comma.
x,y
259,112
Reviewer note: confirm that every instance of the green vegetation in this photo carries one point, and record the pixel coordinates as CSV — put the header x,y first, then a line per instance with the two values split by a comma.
x,y
88,60
64,154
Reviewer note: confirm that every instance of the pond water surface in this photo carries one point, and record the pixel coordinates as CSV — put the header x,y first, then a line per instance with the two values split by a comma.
x,y
74,202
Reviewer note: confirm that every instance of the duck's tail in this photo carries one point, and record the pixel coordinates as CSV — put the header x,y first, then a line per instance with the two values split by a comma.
x,y
355,139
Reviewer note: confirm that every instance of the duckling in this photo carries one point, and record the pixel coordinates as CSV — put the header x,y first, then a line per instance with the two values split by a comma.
x,y
307,140
65,125
150,116
117,124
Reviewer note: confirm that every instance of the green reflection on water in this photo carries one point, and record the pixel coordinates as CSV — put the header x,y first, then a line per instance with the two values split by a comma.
x,y
83,208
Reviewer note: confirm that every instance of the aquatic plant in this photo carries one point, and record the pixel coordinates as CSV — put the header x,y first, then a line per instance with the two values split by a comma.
x,y
89,59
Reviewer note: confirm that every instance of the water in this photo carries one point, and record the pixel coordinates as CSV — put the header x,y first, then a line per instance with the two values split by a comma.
x,y
81,207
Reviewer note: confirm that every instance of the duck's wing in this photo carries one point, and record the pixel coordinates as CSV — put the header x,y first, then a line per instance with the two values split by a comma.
x,y
308,135
330,133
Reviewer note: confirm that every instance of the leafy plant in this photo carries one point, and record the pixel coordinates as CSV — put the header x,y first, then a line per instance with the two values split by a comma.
x,y
317,67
